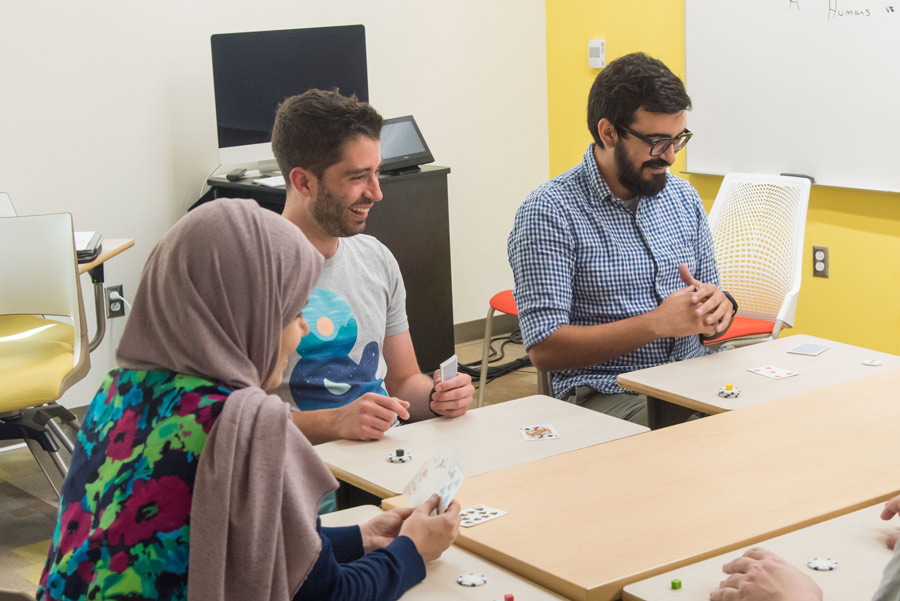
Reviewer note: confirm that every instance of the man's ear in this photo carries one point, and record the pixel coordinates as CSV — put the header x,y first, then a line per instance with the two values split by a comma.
x,y
607,132
302,180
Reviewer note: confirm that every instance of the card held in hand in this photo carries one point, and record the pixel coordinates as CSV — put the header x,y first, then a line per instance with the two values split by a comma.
x,y
442,475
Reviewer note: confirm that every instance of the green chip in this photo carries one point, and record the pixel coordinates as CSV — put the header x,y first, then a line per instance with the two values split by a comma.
x,y
676,584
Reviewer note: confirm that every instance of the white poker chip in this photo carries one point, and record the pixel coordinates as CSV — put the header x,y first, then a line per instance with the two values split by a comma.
x,y
399,456
822,564
729,392
471,579
872,362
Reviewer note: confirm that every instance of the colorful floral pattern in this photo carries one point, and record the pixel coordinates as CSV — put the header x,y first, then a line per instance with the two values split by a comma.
x,y
124,524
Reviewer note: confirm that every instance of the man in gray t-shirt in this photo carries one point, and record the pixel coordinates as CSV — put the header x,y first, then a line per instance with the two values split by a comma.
x,y
356,371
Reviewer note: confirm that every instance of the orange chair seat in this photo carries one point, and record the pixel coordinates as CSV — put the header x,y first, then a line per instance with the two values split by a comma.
x,y
505,303
745,326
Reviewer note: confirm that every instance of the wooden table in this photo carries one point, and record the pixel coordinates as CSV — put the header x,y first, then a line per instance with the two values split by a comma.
x,y
855,541
487,439
587,523
440,583
695,383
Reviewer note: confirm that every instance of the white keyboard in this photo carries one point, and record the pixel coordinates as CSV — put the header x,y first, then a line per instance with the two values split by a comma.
x,y
276,181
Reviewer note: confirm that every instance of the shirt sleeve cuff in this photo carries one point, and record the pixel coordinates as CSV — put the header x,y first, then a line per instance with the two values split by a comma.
x,y
346,542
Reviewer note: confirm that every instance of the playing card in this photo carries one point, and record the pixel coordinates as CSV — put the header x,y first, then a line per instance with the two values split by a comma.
x,y
776,373
478,514
809,348
448,368
544,432
441,474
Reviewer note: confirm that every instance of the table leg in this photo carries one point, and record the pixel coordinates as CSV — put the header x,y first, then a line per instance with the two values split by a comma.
x,y
661,414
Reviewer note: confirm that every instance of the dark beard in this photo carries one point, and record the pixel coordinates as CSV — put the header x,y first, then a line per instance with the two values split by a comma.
x,y
329,213
631,178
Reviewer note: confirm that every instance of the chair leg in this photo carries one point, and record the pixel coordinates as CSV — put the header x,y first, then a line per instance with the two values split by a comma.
x,y
54,473
544,385
482,378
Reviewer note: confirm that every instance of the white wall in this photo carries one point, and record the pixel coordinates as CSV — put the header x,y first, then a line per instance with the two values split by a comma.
x,y
106,111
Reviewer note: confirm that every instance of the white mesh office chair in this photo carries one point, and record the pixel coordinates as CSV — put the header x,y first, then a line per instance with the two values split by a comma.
x,y
758,223
43,338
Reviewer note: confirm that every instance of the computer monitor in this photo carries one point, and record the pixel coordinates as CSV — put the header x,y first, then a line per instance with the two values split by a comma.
x,y
254,71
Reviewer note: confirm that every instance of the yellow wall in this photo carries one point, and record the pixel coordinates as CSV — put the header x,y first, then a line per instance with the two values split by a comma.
x,y
860,302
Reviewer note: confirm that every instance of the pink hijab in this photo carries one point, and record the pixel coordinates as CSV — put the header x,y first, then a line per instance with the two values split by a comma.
x,y
214,297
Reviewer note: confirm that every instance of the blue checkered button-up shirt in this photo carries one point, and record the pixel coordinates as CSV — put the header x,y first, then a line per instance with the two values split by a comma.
x,y
580,257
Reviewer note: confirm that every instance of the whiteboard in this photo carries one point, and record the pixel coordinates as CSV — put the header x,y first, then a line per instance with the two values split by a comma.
x,y
795,86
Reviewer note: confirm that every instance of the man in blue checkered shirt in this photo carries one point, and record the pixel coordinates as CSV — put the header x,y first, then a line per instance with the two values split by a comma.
x,y
613,260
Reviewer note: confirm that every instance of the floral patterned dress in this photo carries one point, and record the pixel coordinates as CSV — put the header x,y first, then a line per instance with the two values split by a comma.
x,y
124,524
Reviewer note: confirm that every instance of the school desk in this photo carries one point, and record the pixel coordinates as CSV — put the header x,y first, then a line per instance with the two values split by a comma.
x,y
111,248
586,523
487,439
855,541
695,383
440,582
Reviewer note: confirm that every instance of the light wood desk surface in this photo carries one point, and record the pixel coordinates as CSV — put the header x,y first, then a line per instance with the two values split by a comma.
x,y
440,583
587,523
695,383
855,541
487,439
111,248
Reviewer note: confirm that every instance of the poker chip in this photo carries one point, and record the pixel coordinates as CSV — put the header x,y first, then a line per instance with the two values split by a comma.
x,y
729,392
822,564
399,456
872,362
472,579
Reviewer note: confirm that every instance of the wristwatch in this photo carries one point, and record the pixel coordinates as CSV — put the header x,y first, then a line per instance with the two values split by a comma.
x,y
733,313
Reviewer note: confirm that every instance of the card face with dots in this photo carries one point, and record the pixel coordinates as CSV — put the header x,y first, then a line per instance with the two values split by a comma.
x,y
770,371
478,514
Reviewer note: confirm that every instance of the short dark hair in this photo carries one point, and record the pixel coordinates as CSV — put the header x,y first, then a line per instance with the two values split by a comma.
x,y
631,82
311,128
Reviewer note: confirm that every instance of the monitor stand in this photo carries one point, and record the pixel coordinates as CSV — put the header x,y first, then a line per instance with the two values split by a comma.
x,y
268,167
403,170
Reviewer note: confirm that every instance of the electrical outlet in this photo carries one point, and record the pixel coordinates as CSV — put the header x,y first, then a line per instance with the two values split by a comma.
x,y
114,307
820,261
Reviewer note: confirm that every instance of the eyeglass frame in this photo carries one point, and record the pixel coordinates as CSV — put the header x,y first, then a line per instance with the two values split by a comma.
x,y
685,135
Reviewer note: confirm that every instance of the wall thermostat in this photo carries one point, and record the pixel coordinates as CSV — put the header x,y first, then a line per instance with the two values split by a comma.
x,y
597,54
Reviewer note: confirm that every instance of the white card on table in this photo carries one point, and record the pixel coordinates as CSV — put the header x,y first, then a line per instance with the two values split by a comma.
x,y
448,368
441,474
776,373
478,514
809,348
542,432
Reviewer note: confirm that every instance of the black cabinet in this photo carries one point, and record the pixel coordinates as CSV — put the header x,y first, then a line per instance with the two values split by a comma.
x,y
413,222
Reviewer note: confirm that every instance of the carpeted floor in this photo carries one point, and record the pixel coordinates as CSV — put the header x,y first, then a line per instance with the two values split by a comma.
x,y
27,519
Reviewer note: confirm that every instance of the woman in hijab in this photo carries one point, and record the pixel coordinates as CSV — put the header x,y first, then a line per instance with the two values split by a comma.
x,y
185,465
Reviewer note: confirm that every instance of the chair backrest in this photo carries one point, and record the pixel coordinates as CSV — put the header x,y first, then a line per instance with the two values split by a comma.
x,y
758,223
39,276
6,206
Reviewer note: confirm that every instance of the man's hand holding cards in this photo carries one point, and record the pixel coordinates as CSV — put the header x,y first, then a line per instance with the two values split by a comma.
x,y
453,392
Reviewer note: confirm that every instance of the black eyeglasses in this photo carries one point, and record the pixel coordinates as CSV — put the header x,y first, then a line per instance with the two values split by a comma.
x,y
659,145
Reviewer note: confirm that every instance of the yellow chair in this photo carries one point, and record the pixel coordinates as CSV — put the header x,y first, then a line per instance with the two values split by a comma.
x,y
43,337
